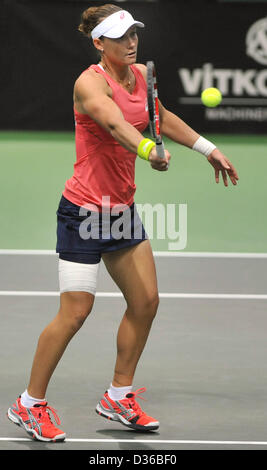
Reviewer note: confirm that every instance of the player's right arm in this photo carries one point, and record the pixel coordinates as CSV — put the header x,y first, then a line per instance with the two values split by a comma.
x,y
93,96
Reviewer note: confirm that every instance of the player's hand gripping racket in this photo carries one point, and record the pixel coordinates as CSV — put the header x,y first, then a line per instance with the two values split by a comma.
x,y
153,107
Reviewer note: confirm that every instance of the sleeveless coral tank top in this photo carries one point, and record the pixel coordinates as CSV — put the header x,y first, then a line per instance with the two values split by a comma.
x,y
104,168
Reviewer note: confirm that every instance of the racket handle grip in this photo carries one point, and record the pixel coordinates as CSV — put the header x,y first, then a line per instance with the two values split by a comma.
x,y
160,149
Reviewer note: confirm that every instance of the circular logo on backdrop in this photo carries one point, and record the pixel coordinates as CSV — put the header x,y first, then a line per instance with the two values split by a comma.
x,y
256,41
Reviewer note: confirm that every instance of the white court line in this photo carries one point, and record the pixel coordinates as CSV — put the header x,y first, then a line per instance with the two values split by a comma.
x,y
162,295
150,441
27,252
204,254
157,254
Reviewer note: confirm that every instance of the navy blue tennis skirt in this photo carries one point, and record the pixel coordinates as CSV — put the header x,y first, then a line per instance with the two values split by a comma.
x,y
82,236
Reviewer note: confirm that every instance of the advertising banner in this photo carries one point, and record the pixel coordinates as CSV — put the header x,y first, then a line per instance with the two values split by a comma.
x,y
234,60
194,45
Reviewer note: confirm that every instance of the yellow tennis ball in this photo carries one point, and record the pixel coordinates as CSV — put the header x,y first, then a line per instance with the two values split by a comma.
x,y
211,97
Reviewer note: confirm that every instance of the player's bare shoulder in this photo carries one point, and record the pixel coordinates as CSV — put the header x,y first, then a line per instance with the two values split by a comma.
x,y
143,69
90,82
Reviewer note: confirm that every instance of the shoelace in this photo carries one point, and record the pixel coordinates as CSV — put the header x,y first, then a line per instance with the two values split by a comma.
x,y
43,413
132,400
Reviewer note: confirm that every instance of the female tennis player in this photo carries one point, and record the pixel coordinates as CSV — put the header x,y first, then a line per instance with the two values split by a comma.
x,y
110,107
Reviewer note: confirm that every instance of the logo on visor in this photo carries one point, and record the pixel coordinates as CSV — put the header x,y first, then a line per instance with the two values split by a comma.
x,y
122,15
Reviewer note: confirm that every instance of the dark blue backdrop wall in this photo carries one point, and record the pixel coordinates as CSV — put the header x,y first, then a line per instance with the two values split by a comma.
x,y
195,44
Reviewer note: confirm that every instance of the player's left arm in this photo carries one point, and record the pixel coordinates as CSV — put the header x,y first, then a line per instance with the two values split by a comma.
x,y
177,130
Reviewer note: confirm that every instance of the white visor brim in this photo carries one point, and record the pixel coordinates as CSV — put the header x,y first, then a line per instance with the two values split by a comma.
x,y
115,25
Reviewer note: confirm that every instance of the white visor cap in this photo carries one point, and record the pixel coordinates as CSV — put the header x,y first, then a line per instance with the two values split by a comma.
x,y
115,25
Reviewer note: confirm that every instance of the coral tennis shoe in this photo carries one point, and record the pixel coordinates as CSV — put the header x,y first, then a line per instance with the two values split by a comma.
x,y
36,421
127,411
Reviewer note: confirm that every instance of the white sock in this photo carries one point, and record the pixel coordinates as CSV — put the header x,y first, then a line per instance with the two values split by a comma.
x,y
28,401
118,393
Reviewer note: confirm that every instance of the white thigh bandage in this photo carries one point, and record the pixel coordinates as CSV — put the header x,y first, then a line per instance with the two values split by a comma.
x,y
77,276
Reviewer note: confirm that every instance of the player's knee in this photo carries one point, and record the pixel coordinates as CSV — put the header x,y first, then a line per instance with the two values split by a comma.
x,y
75,308
78,318
147,306
154,304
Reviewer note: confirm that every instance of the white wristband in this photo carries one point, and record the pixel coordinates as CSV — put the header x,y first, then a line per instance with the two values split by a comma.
x,y
203,146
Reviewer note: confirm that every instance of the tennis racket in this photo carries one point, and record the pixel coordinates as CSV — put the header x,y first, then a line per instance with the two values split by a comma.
x,y
153,108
